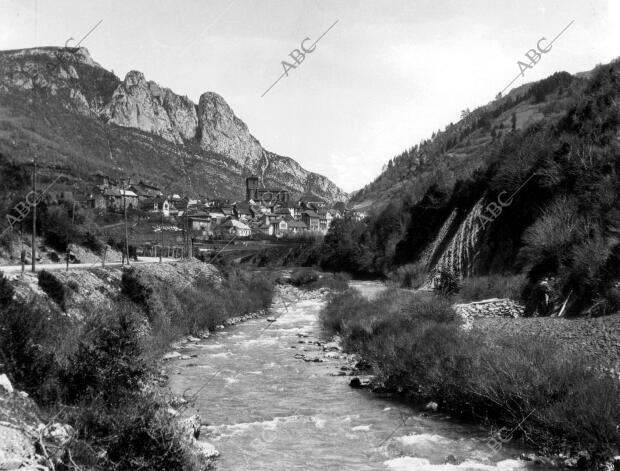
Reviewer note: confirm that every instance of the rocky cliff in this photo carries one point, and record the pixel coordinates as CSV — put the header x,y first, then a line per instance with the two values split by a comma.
x,y
78,116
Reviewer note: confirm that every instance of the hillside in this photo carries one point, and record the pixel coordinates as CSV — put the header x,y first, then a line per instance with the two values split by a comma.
x,y
80,119
528,184
462,147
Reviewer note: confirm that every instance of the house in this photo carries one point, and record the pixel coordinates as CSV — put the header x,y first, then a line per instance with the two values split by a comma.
x,y
118,199
325,220
232,227
266,229
355,215
145,191
199,221
59,194
96,200
217,216
156,205
323,224
296,227
244,211
280,227
269,218
311,219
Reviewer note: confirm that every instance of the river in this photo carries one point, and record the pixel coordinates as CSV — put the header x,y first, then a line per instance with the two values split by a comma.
x,y
268,410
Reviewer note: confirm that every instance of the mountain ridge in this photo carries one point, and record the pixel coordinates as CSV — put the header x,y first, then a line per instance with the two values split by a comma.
x,y
208,131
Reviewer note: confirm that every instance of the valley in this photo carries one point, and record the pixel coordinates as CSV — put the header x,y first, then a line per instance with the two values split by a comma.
x,y
176,297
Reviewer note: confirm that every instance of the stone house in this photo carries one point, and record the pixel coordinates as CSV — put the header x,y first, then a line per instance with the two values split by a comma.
x,y
296,227
232,227
200,221
311,219
58,194
156,205
118,199
97,201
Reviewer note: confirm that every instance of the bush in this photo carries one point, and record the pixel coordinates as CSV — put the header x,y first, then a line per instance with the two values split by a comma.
x,y
104,379
412,275
29,338
53,287
91,242
302,277
446,283
311,279
6,291
107,362
491,286
204,304
135,289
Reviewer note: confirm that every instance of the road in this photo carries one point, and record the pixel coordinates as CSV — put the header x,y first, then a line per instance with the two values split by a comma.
x,y
78,266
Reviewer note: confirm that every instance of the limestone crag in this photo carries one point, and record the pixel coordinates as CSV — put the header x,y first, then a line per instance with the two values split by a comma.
x,y
207,131
222,132
137,103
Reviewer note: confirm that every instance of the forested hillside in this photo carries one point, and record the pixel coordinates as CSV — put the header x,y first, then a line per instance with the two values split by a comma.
x,y
527,184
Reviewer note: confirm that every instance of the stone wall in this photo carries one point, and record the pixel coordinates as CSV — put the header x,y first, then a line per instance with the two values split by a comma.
x,y
488,308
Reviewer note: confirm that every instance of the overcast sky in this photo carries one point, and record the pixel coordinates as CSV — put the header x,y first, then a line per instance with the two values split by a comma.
x,y
384,77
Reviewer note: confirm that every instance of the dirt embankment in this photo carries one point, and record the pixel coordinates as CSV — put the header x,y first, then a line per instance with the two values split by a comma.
x,y
30,439
597,337
84,289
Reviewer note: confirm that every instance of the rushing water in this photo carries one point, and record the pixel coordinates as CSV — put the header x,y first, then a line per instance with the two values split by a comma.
x,y
268,410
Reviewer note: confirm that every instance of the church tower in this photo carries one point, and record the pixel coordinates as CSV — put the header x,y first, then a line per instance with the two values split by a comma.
x,y
251,187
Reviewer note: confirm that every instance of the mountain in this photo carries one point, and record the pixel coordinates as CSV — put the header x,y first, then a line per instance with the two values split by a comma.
x,y
80,119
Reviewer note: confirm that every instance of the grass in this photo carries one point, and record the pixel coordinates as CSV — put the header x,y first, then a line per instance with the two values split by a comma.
x,y
491,286
200,306
553,400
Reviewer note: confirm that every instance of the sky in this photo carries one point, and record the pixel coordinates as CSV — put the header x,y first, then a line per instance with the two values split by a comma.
x,y
385,76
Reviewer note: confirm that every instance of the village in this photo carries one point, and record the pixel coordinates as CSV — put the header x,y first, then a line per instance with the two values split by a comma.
x,y
151,222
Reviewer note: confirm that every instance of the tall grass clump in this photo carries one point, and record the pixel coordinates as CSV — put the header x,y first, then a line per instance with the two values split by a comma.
x,y
478,288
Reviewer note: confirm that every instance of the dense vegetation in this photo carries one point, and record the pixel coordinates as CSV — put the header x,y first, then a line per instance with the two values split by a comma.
x,y
561,227
94,373
552,399
310,279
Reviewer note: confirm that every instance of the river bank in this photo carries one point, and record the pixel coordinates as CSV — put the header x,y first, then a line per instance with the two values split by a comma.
x,y
85,348
559,401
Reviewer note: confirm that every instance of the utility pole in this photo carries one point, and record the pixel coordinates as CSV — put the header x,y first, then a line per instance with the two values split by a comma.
x,y
67,254
34,214
187,234
125,213
72,225
161,232
22,254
